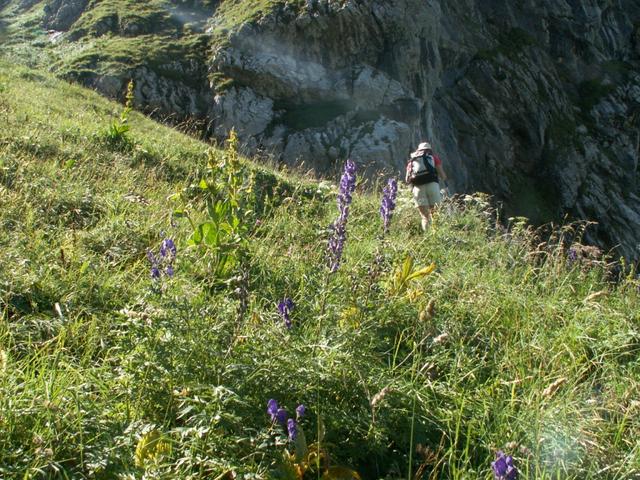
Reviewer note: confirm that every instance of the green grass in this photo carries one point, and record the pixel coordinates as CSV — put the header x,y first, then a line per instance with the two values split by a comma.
x,y
93,356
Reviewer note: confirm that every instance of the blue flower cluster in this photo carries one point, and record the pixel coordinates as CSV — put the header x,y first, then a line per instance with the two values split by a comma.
x,y
279,415
388,202
503,467
339,234
163,263
285,307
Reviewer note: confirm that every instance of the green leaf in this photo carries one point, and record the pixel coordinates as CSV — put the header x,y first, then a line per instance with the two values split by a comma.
x,y
210,233
300,444
84,267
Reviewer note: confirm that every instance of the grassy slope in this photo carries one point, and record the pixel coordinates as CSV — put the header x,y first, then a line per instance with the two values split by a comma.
x,y
113,37
80,383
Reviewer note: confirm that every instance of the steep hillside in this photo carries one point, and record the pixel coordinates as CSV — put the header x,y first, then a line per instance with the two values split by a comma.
x,y
157,296
534,102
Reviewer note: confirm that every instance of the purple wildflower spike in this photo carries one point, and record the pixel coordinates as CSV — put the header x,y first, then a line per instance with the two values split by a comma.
x,y
300,411
292,428
272,409
503,467
339,227
168,248
281,416
285,307
388,204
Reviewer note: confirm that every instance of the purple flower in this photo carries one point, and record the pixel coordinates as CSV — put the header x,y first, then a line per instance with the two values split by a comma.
x,y
339,227
163,263
281,416
572,256
276,413
272,409
300,411
285,307
503,467
292,428
168,248
155,269
388,202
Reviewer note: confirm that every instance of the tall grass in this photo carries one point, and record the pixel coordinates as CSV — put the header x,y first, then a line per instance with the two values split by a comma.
x,y
507,344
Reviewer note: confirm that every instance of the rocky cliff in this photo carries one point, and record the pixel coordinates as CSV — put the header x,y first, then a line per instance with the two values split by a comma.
x,y
536,102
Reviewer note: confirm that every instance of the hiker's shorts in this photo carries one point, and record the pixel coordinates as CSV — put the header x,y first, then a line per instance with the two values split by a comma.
x,y
427,195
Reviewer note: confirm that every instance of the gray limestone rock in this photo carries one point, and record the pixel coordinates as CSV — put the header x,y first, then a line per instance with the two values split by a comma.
x,y
535,102
61,14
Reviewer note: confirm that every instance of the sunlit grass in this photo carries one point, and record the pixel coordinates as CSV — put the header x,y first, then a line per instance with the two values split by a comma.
x,y
506,345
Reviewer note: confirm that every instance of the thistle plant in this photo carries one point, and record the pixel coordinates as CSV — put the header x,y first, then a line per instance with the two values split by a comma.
x,y
388,203
339,227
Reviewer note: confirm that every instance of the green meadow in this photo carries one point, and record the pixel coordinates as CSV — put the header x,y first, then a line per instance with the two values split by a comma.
x,y
419,358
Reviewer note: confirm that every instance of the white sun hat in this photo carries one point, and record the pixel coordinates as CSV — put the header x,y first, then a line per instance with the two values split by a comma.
x,y
424,146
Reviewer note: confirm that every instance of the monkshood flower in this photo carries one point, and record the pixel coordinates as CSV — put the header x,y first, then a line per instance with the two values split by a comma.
x,y
572,256
503,467
163,263
300,411
292,429
281,416
276,413
155,265
388,202
339,227
168,248
285,307
272,408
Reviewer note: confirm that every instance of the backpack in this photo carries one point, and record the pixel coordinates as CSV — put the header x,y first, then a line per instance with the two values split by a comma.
x,y
423,169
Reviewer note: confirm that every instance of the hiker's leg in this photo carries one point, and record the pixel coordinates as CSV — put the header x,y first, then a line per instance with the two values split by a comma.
x,y
422,204
432,192
425,214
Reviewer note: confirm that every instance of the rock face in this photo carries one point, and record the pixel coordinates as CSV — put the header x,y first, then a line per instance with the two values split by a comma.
x,y
61,14
535,102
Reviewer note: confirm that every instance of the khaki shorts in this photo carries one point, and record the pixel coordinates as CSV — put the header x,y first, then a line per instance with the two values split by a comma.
x,y
427,195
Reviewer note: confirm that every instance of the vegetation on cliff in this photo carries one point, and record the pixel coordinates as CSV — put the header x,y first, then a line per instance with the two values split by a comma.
x,y
112,365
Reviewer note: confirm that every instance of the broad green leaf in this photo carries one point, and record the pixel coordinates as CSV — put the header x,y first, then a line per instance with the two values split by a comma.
x,y
210,234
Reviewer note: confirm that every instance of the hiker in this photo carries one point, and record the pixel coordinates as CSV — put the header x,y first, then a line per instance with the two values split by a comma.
x,y
424,173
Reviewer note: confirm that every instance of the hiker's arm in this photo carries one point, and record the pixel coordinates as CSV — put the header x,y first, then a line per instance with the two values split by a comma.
x,y
441,175
407,172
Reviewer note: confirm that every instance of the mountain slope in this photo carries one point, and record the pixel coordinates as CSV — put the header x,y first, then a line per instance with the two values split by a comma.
x,y
534,103
108,372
